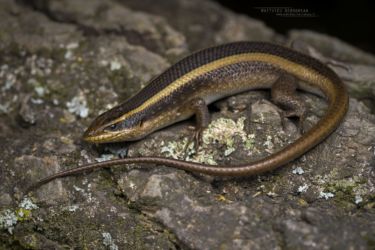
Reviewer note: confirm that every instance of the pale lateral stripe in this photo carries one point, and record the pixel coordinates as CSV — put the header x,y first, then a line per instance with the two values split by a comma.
x,y
301,71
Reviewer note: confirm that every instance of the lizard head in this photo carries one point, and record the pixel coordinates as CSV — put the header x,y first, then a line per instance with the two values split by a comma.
x,y
114,126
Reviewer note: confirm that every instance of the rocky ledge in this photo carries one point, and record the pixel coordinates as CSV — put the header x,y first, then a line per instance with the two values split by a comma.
x,y
64,62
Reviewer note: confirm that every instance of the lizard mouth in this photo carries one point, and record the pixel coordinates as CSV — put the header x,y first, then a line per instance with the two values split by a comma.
x,y
103,137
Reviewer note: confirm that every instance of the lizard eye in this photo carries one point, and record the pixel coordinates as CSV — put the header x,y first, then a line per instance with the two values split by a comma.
x,y
111,127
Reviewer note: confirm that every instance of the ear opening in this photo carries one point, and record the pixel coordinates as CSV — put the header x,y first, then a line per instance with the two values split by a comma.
x,y
140,123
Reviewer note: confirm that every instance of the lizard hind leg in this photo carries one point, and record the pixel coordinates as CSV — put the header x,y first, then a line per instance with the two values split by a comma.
x,y
284,94
202,117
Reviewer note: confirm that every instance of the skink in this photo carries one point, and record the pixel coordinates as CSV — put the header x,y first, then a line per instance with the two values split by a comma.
x,y
187,87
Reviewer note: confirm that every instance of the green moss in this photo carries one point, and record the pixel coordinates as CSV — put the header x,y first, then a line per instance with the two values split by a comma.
x,y
346,191
23,214
301,202
344,186
250,142
30,241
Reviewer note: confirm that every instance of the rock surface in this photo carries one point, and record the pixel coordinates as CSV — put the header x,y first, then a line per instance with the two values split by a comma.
x,y
63,63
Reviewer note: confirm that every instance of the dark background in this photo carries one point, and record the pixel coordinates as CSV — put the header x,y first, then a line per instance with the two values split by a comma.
x,y
351,21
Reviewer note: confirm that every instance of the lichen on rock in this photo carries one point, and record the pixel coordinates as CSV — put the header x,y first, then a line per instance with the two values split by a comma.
x,y
62,63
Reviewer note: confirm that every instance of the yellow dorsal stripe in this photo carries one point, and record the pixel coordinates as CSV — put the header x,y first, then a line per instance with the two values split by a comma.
x,y
304,73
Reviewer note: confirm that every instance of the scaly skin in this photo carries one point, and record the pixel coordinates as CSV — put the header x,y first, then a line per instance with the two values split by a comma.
x,y
209,75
